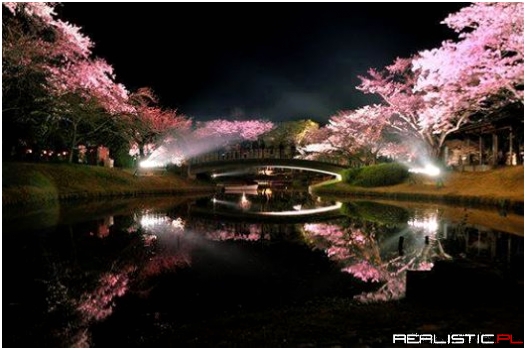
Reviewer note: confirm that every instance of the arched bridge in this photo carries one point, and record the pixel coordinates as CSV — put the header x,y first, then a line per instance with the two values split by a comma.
x,y
297,164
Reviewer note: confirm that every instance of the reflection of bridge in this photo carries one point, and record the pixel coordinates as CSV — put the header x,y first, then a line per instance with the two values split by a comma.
x,y
296,164
290,217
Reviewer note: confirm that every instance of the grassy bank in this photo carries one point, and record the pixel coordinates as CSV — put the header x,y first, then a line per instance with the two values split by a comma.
x,y
33,183
502,188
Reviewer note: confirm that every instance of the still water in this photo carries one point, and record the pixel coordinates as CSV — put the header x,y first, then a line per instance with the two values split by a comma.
x,y
73,273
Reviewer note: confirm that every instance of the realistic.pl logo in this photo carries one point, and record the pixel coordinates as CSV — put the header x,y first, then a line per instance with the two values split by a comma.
x,y
452,339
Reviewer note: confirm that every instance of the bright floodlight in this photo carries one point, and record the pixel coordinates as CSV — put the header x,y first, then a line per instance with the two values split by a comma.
x,y
150,164
430,224
429,169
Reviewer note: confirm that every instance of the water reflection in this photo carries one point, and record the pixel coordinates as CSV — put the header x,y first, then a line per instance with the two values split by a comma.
x,y
268,203
266,200
77,274
376,251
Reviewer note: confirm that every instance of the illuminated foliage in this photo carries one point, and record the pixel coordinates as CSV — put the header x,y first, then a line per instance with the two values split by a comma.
x,y
150,123
361,132
438,91
359,136
291,133
484,69
233,130
51,83
406,111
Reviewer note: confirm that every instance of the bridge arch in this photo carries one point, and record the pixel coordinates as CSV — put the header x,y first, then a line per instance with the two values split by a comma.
x,y
297,164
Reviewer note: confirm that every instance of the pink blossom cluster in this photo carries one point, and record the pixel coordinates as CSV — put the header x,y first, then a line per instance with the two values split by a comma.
x,y
364,271
98,304
435,92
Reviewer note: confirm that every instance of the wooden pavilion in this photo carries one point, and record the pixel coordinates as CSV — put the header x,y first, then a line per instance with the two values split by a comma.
x,y
496,140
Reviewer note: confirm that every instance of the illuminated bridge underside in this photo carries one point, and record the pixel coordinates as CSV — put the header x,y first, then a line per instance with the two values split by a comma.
x,y
296,164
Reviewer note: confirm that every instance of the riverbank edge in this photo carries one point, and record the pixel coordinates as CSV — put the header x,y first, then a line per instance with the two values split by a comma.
x,y
501,204
30,184
33,199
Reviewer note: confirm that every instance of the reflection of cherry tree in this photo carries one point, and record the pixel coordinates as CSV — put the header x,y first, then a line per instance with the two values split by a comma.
x,y
223,235
364,271
94,301
170,242
164,239
98,304
215,231
357,249
149,247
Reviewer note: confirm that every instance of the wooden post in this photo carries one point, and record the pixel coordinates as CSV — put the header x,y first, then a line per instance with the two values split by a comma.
x,y
480,150
511,147
495,148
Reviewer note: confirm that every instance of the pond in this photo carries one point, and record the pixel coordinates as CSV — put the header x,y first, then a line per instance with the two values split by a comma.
x,y
125,271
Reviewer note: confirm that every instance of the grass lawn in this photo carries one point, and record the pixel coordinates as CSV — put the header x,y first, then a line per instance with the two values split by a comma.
x,y
29,182
489,187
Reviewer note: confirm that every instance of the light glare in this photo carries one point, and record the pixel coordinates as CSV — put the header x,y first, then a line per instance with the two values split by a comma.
x,y
429,169
151,164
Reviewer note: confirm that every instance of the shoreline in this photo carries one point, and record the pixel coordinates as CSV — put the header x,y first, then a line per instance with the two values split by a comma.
x,y
501,204
499,189
33,184
30,184
85,195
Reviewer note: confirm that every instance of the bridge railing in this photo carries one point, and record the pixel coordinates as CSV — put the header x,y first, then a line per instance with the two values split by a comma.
x,y
258,153
267,153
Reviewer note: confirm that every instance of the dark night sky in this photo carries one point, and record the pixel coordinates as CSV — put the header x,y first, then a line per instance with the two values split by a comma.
x,y
278,61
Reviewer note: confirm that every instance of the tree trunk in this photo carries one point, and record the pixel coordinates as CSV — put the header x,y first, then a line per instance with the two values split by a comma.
x,y
73,143
373,157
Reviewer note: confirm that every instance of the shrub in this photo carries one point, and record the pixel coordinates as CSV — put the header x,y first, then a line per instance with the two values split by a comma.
x,y
349,175
385,174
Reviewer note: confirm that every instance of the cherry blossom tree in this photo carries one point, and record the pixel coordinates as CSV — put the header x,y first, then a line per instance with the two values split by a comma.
x,y
359,136
48,58
484,69
330,143
418,120
150,123
215,134
88,100
59,39
233,130
361,131
179,144
25,99
438,91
